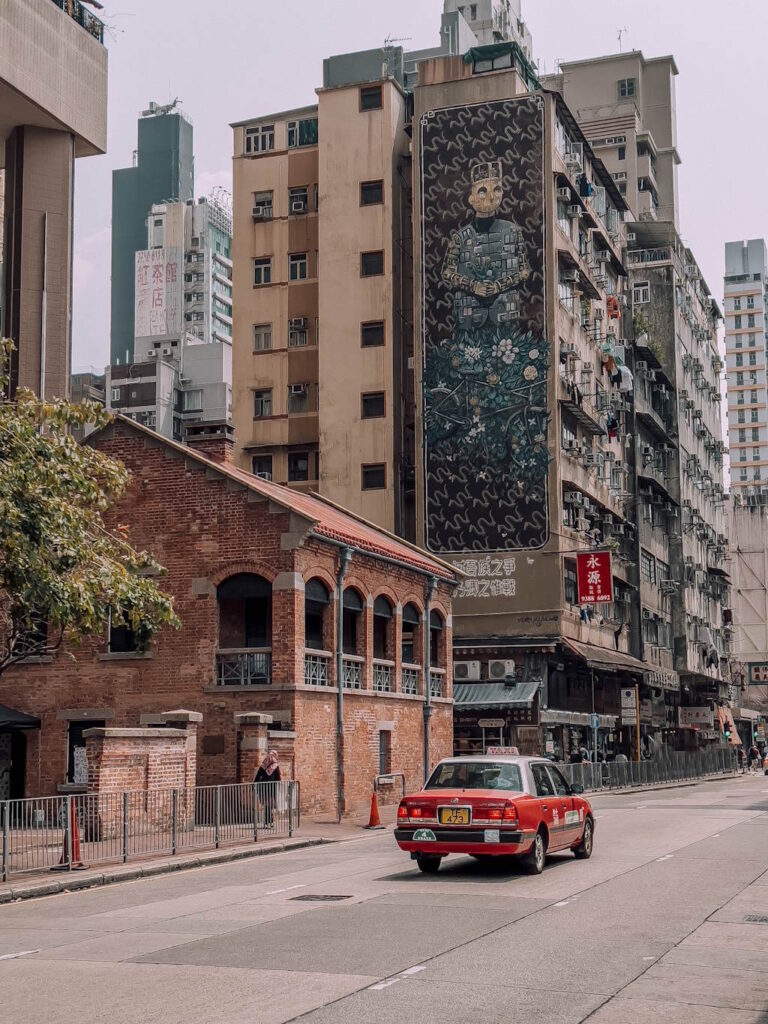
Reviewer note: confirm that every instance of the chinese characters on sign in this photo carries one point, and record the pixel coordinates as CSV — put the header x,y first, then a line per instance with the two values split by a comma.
x,y
487,577
595,578
758,673
158,292
696,716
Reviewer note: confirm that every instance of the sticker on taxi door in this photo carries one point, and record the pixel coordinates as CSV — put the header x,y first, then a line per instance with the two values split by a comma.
x,y
572,817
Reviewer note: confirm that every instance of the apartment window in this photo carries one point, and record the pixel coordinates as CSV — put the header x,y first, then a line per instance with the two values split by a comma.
x,y
302,133
622,153
641,292
742,474
741,416
372,334
263,205
739,359
298,398
755,434
739,340
753,358
740,398
737,322
743,455
262,466
260,138
115,394
622,188
647,566
262,403
298,467
192,401
298,199
742,435
373,405
750,320
371,97
750,301
739,378
753,377
571,587
298,333
262,271
297,266
753,416
262,337
371,193
627,87
755,454
737,303
372,263
374,477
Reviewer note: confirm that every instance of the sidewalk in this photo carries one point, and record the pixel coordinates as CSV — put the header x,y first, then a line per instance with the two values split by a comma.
x,y
313,832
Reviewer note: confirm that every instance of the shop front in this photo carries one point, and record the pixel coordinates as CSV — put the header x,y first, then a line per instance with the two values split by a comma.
x,y
496,715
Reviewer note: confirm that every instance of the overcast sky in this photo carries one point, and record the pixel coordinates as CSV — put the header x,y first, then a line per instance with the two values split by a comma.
x,y
241,58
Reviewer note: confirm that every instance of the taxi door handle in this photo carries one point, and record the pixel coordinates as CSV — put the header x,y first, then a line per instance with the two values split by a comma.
x,y
544,807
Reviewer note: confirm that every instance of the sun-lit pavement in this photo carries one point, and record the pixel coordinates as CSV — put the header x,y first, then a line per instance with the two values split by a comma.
x,y
653,929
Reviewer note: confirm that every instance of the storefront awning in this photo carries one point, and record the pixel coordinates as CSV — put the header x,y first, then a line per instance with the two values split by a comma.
x,y
554,717
12,719
472,696
604,658
746,714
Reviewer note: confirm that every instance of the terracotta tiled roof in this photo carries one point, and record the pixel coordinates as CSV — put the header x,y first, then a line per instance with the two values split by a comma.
x,y
328,519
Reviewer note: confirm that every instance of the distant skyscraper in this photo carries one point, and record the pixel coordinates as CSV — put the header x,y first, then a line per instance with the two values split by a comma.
x,y
162,172
746,282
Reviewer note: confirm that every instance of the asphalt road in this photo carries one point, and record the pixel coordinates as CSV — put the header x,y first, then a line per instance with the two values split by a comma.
x,y
653,928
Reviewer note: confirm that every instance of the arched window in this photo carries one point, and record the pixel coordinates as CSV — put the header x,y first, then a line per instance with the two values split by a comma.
x,y
316,601
411,620
245,612
352,615
435,639
382,628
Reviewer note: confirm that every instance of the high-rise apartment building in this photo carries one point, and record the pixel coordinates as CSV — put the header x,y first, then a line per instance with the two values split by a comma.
x,y
625,105
53,109
746,348
179,378
162,172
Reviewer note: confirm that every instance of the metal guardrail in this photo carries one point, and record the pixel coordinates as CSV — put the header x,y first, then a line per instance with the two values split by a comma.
x,y
675,766
120,826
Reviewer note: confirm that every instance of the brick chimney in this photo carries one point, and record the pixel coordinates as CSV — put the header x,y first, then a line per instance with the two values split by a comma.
x,y
216,441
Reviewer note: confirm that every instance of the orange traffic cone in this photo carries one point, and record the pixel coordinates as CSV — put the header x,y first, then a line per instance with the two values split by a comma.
x,y
374,820
77,863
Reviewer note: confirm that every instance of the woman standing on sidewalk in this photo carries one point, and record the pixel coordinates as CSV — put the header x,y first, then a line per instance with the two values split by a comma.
x,y
268,774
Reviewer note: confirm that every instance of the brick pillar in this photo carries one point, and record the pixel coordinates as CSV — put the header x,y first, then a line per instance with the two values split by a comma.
x,y
397,652
188,721
288,629
252,743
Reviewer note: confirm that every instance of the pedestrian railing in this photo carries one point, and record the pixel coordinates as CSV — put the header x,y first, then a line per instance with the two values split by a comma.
x,y
36,833
674,766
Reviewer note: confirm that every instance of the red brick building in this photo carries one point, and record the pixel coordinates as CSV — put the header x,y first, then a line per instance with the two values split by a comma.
x,y
256,571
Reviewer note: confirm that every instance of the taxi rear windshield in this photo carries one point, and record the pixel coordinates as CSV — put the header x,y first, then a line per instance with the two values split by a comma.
x,y
476,775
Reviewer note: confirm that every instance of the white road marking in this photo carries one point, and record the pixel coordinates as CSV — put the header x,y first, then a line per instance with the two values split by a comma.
x,y
716,835
290,888
562,903
383,984
649,958
667,856
393,981
414,970
13,956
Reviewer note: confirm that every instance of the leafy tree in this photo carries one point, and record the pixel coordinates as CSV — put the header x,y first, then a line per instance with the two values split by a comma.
x,y
63,571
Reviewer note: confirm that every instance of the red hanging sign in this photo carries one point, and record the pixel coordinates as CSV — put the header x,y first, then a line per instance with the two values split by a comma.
x,y
595,578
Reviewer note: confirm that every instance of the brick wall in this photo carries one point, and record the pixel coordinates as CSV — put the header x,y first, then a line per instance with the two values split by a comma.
x,y
203,529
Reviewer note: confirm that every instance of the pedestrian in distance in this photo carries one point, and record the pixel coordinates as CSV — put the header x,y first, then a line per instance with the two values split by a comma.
x,y
741,760
267,776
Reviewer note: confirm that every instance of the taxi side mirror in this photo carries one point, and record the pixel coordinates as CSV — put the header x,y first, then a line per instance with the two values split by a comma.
x,y
577,789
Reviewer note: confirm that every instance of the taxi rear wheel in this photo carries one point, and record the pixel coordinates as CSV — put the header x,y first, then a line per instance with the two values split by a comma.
x,y
534,861
430,865
584,850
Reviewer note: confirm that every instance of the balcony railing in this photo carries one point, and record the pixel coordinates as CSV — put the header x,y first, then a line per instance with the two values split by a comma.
x,y
352,672
410,679
316,668
244,667
80,13
382,676
437,683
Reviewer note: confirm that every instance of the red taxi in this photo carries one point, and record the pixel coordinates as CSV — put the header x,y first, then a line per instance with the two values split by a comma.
x,y
491,806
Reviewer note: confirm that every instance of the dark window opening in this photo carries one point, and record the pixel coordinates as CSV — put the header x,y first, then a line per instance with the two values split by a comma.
x,y
410,620
382,617
372,263
372,334
385,752
77,766
371,97
262,466
374,477
245,612
298,467
316,601
435,629
373,405
352,609
371,193
123,639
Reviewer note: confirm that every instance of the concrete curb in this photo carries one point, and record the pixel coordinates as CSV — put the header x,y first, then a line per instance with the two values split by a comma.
x,y
73,881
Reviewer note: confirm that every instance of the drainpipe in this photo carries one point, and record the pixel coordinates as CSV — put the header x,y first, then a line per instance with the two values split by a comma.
x,y
344,556
431,587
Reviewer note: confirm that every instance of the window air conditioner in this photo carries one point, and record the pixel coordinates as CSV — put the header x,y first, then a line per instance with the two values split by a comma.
x,y
297,389
466,670
262,212
501,669
298,206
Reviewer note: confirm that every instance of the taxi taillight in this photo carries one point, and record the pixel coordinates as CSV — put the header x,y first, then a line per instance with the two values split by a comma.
x,y
402,811
510,813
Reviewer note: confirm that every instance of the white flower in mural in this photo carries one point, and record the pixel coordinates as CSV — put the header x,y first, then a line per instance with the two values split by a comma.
x,y
472,351
530,373
533,354
504,351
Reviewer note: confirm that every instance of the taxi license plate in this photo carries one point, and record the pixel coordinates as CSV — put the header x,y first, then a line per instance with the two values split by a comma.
x,y
454,815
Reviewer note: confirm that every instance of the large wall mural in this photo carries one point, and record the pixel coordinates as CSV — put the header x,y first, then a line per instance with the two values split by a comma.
x,y
485,352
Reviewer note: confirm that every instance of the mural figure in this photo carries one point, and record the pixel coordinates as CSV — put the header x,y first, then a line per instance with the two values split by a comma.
x,y
486,355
